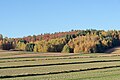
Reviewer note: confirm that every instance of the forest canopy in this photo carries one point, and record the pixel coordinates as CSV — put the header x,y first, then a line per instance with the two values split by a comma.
x,y
74,41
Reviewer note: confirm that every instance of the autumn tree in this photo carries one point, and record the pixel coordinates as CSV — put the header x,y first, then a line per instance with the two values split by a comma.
x,y
29,47
21,45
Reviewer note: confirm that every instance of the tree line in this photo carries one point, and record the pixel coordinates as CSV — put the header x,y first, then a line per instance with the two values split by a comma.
x,y
74,41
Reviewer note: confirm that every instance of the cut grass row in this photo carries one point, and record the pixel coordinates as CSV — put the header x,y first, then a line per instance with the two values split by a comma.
x,y
56,68
69,71
55,61
12,55
101,74
54,64
59,56
36,58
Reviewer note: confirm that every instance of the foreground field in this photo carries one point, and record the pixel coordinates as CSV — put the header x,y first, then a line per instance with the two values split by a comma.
x,y
57,66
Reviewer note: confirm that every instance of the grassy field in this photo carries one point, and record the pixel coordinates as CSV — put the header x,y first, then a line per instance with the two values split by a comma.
x,y
53,66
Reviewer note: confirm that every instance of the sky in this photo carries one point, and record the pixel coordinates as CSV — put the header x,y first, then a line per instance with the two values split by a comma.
x,y
19,18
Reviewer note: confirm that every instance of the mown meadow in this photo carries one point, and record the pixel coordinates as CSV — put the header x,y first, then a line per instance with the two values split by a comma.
x,y
29,66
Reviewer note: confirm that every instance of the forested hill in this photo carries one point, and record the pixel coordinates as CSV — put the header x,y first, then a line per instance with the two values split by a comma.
x,y
74,41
